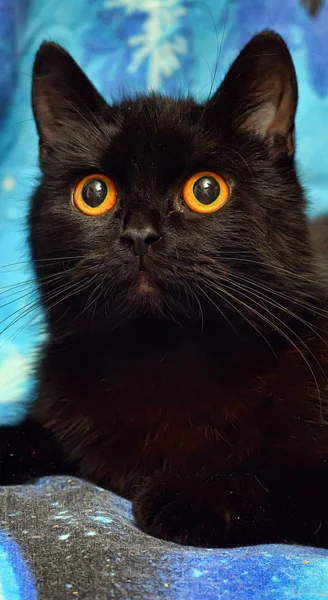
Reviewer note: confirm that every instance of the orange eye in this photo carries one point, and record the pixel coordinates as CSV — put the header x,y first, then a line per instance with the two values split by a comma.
x,y
205,192
95,194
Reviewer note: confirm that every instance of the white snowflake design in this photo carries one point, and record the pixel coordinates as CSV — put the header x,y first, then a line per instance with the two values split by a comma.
x,y
158,42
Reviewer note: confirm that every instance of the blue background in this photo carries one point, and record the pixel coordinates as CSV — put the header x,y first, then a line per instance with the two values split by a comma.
x,y
175,46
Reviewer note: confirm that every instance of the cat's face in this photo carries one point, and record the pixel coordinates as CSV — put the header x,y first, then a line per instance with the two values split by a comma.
x,y
160,206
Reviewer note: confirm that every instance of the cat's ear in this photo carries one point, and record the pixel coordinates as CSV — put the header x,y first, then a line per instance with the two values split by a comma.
x,y
259,93
61,94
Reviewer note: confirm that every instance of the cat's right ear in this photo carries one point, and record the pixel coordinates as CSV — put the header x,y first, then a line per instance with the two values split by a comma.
x,y
259,93
62,95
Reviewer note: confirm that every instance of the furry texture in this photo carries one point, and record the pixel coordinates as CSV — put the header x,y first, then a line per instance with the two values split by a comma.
x,y
191,379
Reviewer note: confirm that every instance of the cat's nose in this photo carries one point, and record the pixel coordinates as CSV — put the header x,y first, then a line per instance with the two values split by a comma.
x,y
140,238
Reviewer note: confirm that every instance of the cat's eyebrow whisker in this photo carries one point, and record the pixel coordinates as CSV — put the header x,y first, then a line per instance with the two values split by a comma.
x,y
218,48
218,55
226,147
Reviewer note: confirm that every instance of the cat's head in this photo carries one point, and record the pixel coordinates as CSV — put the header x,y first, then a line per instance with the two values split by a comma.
x,y
166,206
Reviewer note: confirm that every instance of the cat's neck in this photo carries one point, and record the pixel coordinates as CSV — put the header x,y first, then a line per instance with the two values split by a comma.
x,y
153,338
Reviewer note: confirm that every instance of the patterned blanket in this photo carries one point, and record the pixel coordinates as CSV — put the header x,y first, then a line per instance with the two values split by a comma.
x,y
62,538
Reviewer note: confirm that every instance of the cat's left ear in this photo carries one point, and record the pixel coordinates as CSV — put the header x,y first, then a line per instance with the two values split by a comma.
x,y
259,93
62,95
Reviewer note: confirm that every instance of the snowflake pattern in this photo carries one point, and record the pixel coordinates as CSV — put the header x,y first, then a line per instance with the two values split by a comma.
x,y
159,42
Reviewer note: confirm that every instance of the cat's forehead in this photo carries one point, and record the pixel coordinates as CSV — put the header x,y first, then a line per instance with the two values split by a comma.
x,y
158,133
156,122
159,111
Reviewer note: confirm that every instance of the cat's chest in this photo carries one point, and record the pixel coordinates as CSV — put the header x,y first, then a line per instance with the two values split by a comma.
x,y
127,381
140,410
165,394
144,410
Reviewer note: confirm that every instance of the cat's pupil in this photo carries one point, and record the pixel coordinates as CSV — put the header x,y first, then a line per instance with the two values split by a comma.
x,y
206,189
94,192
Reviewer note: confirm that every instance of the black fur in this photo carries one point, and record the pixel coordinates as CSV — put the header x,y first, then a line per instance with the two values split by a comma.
x,y
194,380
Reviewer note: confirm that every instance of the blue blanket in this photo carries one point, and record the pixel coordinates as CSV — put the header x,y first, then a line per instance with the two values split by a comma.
x,y
67,539
174,46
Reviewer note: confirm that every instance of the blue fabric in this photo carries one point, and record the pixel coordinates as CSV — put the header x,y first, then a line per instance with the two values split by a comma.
x,y
16,581
64,538
174,46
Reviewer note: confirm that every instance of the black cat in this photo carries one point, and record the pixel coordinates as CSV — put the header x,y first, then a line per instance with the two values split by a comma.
x,y
186,360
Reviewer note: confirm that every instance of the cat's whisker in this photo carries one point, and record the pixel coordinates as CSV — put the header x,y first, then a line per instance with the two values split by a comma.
x,y
284,309
201,314
223,296
77,290
31,288
27,309
95,303
291,300
283,270
21,312
194,295
217,307
50,279
296,301
40,261
93,300
81,289
283,333
14,298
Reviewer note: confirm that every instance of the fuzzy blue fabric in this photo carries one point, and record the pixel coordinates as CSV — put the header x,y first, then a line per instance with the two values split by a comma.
x,y
173,46
66,539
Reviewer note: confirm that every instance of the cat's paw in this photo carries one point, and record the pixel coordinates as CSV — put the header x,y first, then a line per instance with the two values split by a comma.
x,y
177,511
220,511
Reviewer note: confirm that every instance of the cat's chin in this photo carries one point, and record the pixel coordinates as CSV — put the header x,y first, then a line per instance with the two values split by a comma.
x,y
143,296
146,297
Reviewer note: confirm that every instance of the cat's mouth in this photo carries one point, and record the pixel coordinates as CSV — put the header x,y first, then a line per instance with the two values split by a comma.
x,y
145,285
